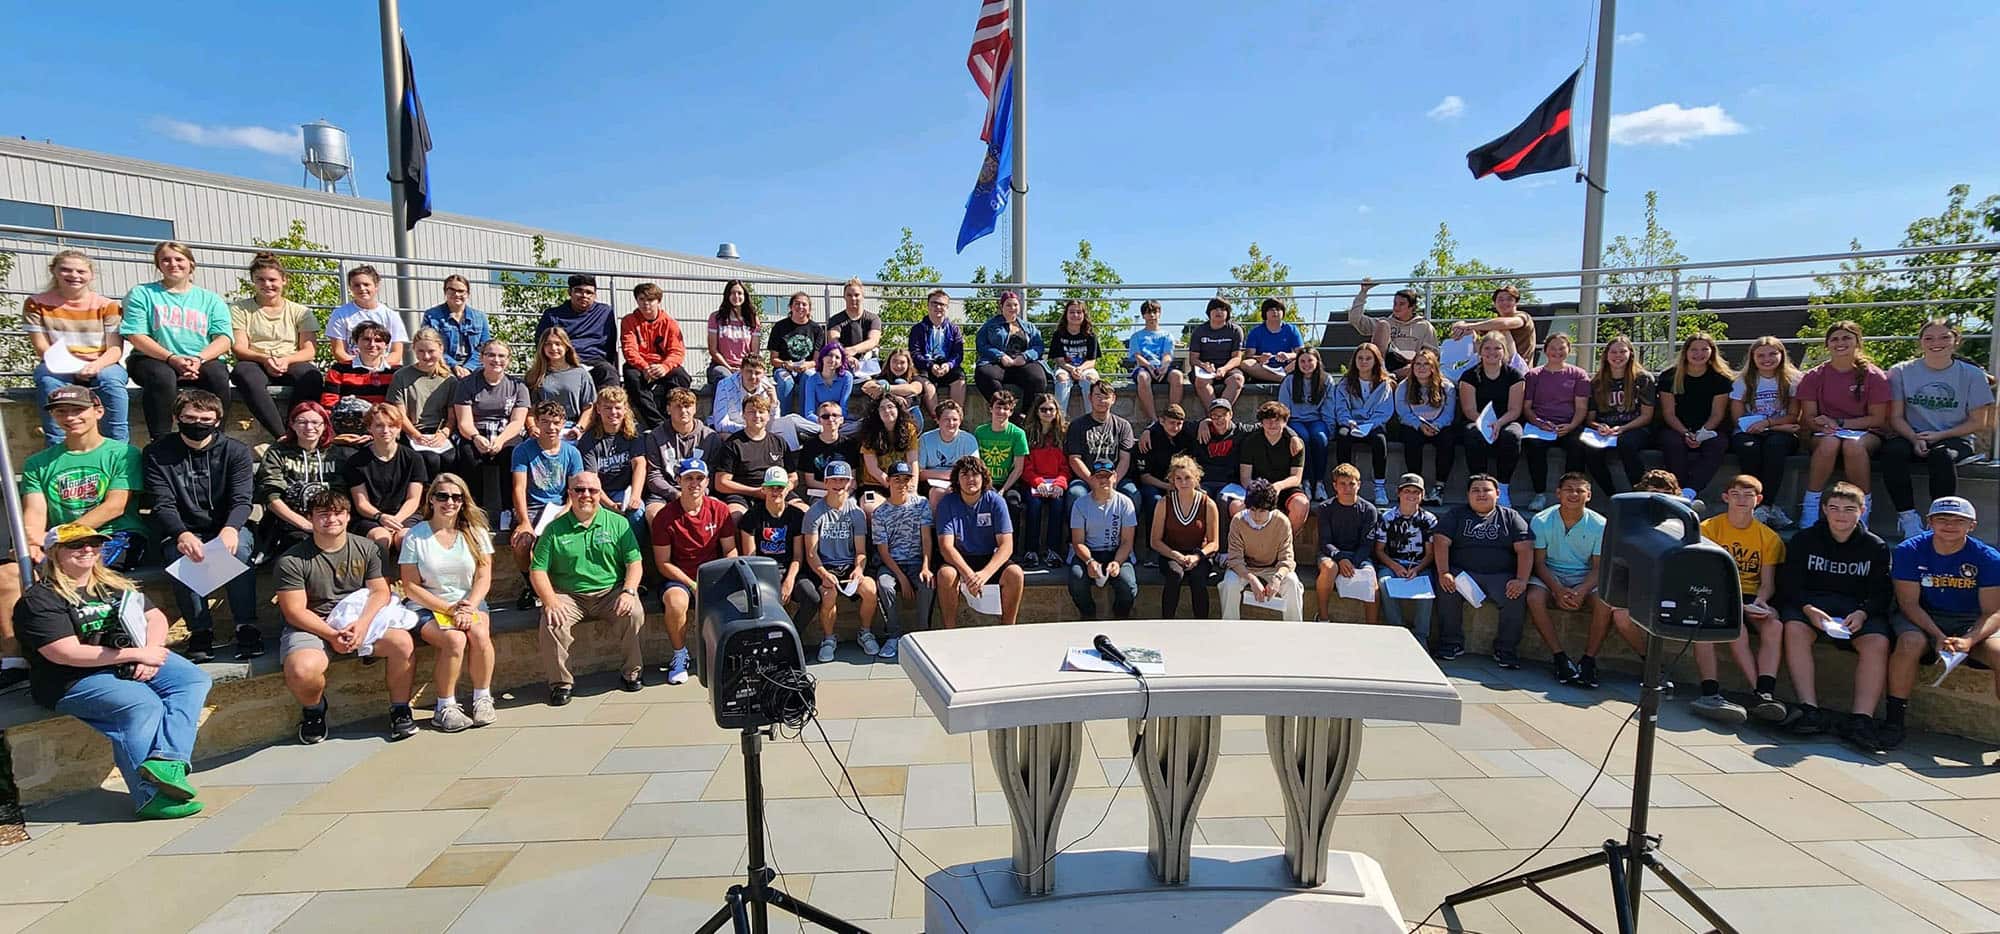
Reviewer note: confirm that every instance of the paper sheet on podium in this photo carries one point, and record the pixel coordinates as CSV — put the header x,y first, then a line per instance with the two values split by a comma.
x,y
1148,661
1360,586
1469,589
216,568
1409,588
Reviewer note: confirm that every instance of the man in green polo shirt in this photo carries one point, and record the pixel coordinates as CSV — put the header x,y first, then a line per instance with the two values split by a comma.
x,y
586,566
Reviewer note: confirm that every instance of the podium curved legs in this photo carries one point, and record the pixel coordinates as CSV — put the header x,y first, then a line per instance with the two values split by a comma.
x,y
1315,758
1176,761
1037,768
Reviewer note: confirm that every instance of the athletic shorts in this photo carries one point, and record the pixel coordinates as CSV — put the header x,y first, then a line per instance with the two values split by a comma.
x,y
1837,606
296,640
1951,624
840,572
1562,577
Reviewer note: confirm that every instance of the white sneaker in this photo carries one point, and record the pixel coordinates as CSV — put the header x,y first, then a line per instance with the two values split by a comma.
x,y
869,646
1909,524
889,648
1540,502
677,670
826,648
482,711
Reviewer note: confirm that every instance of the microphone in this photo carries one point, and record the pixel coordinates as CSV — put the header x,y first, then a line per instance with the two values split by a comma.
x,y
1106,650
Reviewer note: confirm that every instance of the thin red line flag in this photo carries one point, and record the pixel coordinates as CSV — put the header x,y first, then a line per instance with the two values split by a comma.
x,y
1540,144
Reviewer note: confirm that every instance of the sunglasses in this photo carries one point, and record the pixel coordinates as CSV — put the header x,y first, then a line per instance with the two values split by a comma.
x,y
444,497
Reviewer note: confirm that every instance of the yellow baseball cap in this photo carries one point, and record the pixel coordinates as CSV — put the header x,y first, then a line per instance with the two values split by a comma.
x,y
70,533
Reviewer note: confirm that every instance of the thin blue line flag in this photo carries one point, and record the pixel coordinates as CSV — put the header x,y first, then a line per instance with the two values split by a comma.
x,y
414,174
996,171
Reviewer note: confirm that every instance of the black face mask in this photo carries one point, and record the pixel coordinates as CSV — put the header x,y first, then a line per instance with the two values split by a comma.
x,y
196,432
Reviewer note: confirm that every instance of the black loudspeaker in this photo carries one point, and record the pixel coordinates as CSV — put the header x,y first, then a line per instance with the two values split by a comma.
x,y
748,645
1676,585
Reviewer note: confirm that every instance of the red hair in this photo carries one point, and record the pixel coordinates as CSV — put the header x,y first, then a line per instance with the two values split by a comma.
x,y
325,438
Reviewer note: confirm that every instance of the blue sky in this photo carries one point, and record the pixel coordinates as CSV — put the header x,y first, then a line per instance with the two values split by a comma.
x,y
1169,133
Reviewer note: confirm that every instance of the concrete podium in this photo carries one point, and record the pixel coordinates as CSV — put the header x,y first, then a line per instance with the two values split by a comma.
x,y
1313,684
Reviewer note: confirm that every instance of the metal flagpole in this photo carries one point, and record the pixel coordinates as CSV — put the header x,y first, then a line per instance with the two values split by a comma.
x,y
1594,175
1017,24
399,206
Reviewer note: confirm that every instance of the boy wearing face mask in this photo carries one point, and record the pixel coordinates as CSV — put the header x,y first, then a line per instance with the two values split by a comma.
x,y
199,483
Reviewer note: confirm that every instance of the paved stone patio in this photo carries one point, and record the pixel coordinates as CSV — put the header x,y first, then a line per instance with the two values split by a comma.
x,y
623,812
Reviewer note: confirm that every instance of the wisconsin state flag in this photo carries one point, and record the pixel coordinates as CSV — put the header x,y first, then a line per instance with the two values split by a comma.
x,y
1540,144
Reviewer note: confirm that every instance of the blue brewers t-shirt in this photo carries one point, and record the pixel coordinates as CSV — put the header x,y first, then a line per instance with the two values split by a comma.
x,y
1950,583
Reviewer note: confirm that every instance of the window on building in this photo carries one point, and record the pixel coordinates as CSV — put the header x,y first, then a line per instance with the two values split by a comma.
x,y
25,214
106,222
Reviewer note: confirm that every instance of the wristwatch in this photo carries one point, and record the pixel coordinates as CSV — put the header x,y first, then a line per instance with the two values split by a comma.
x,y
634,591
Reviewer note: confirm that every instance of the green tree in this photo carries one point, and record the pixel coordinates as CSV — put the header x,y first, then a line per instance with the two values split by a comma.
x,y
905,304
1918,287
984,302
1260,267
312,281
1641,301
1093,282
17,353
1467,300
523,298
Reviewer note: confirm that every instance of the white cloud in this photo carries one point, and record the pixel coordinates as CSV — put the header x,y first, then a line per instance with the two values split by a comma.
x,y
260,139
1364,209
1446,109
1672,125
1630,38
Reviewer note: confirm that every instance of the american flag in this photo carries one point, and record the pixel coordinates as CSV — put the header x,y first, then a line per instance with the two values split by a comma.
x,y
992,51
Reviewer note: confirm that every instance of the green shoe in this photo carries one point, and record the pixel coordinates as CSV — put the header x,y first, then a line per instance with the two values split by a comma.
x,y
160,807
170,776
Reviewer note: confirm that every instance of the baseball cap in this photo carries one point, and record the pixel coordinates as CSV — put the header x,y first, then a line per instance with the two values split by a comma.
x,y
70,533
1953,506
1175,411
1411,480
69,395
901,469
1103,467
776,476
1219,403
690,465
838,469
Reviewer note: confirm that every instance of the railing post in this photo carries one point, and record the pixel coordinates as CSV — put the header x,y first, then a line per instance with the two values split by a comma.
x,y
1673,311
1992,362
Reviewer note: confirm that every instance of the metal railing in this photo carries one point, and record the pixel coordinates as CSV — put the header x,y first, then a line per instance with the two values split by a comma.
x,y
1657,302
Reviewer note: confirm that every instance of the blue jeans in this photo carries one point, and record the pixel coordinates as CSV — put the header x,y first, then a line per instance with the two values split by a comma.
x,y
788,387
1316,435
109,385
1047,523
1124,587
143,719
242,592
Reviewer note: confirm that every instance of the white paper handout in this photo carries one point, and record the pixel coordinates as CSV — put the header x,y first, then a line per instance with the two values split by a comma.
x,y
1455,354
1359,586
548,516
1469,589
216,568
937,484
988,600
1751,420
1703,435
1277,601
1951,661
1485,423
59,361
1533,432
438,448
1591,437
1850,434
1832,627
1077,659
1408,588
848,586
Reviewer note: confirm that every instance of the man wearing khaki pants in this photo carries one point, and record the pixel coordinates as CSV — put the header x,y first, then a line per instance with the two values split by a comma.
x,y
586,566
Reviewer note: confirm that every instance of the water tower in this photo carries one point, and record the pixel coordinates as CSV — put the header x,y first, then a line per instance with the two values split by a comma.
x,y
326,157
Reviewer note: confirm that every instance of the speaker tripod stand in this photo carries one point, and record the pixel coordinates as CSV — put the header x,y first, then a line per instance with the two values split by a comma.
x,y
746,905
1627,862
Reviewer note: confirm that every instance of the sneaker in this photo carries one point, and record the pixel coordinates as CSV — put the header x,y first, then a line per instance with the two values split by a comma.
x,y
402,723
161,807
1779,519
1450,652
1586,673
1566,671
1908,525
677,670
1769,709
1889,735
1506,498
1762,514
452,719
1436,495
1806,721
1862,734
826,648
200,647
1697,505
249,643
1539,503
1031,562
1507,663
483,713
13,679
631,684
170,777
1053,560
559,695
889,648
526,599
312,724
869,646
1381,498
1720,709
